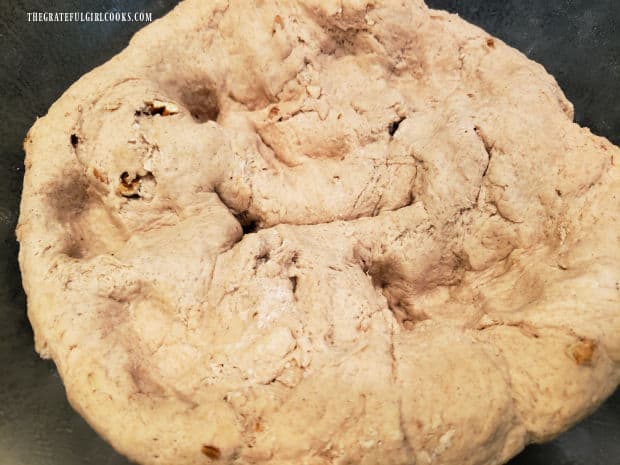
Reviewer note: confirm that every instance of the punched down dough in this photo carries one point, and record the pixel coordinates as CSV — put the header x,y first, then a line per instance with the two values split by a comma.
x,y
319,233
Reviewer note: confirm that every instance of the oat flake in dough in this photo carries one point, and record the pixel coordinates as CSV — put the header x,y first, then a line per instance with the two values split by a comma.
x,y
322,232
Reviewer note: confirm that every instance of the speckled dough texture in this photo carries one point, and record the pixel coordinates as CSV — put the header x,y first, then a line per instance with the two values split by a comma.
x,y
320,233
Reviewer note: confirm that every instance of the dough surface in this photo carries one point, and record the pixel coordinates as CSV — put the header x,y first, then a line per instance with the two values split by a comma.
x,y
319,233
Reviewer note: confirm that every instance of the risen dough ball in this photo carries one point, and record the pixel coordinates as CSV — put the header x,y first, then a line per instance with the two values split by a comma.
x,y
322,232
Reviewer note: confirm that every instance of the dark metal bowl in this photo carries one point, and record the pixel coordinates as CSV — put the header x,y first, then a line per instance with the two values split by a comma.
x,y
578,41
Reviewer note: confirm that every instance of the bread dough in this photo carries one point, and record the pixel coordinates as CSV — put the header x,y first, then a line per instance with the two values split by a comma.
x,y
322,232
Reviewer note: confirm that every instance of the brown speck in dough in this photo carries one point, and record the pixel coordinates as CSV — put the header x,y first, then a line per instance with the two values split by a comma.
x,y
293,280
100,176
277,20
211,451
583,351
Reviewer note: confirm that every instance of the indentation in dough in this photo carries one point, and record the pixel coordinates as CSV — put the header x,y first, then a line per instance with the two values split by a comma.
x,y
393,127
388,278
88,228
144,382
248,223
293,280
201,100
68,196
74,140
